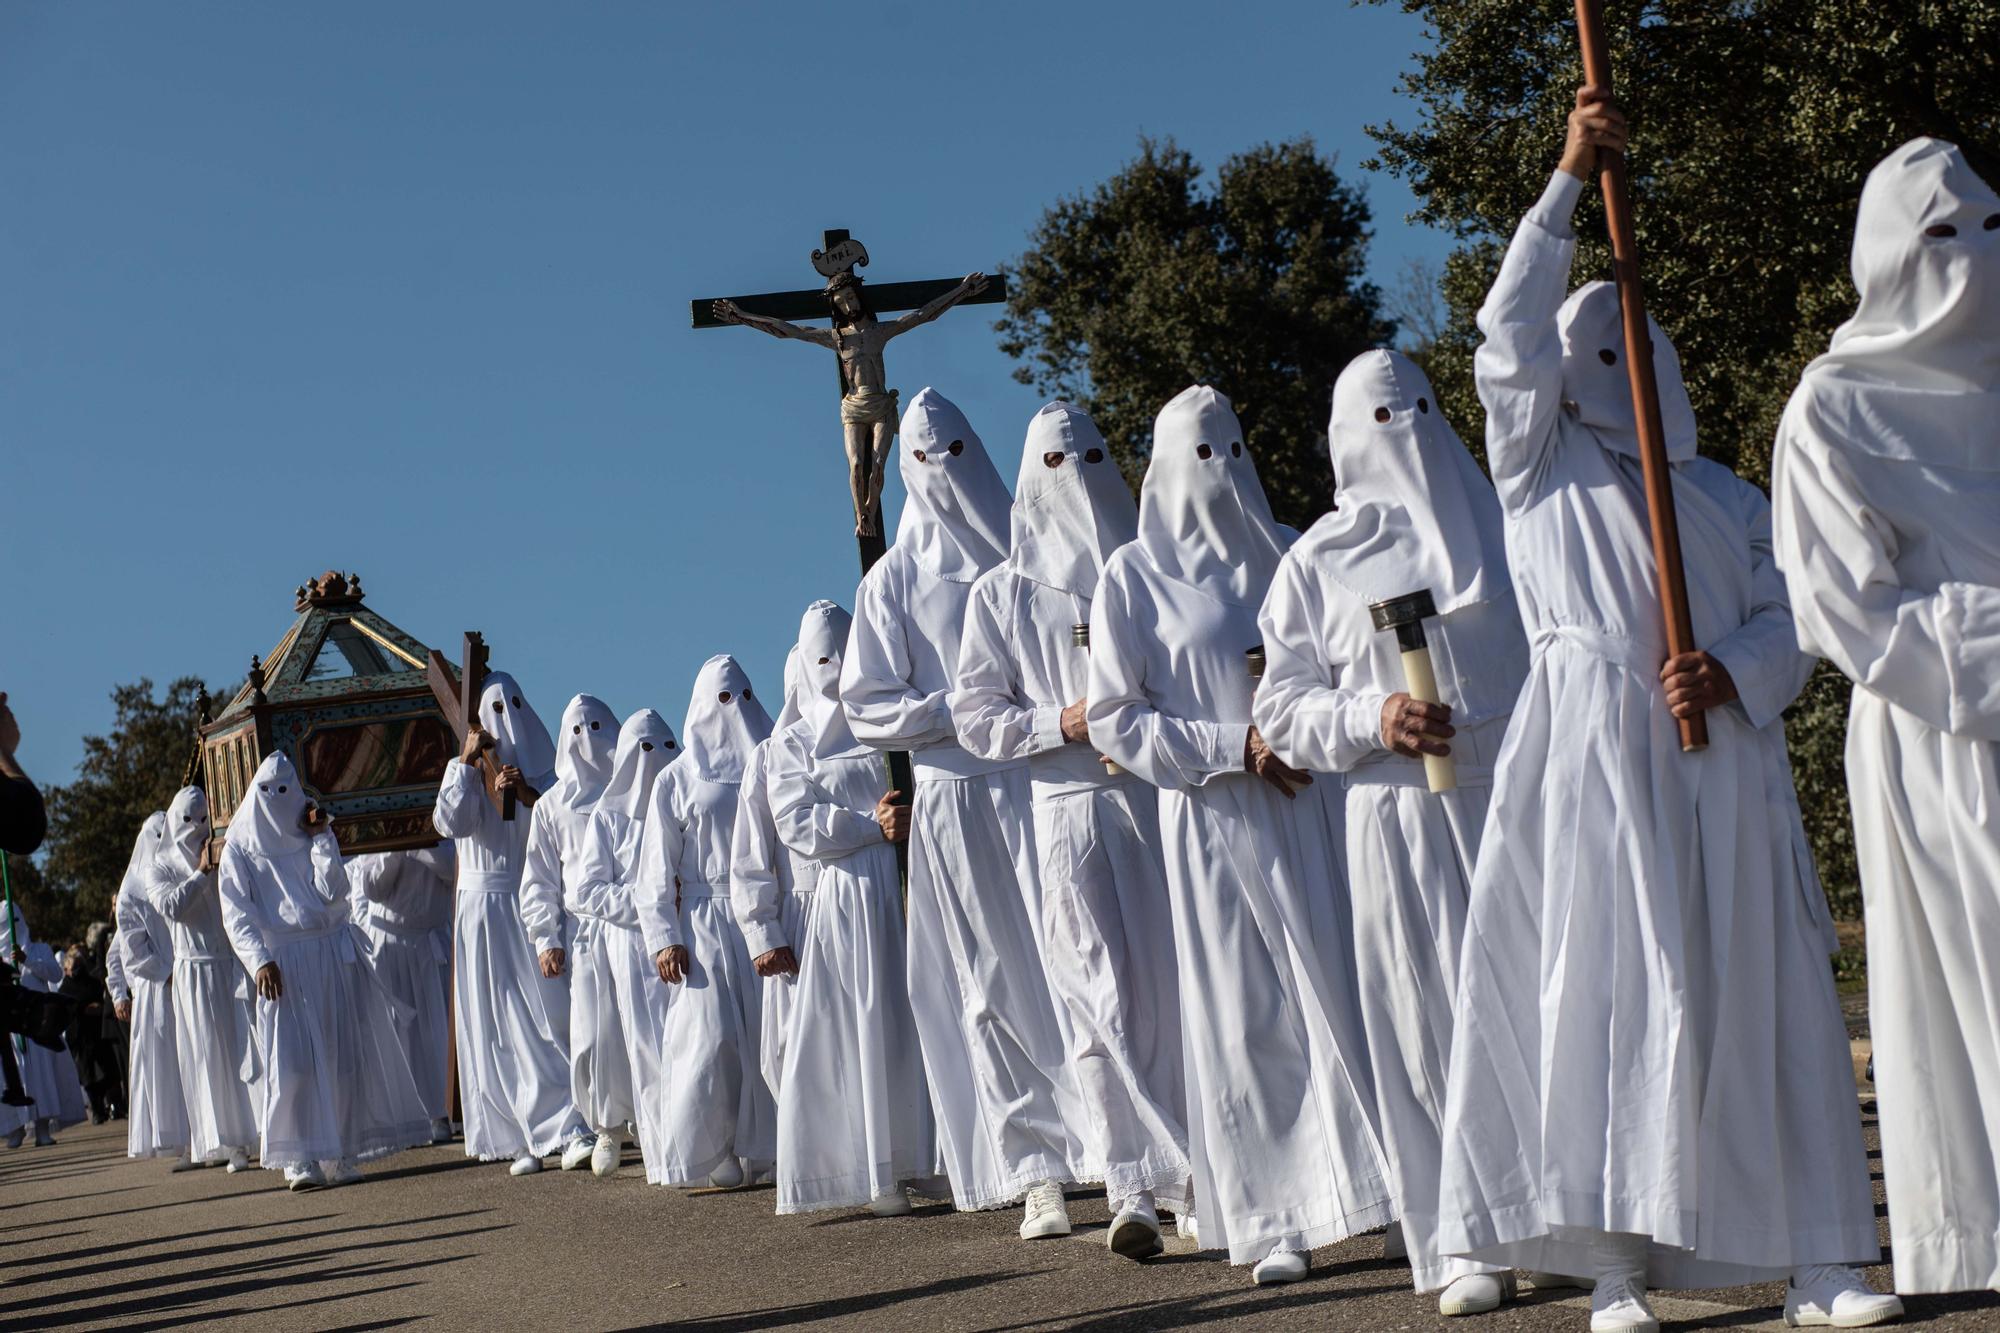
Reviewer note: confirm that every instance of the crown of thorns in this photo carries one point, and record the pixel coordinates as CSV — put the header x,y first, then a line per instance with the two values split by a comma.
x,y
841,282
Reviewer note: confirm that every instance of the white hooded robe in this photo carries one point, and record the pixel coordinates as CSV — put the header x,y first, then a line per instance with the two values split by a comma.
x,y
156,1115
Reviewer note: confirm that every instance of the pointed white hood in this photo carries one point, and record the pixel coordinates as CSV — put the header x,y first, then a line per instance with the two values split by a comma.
x,y
954,521
185,830
1203,518
822,643
150,834
519,736
725,720
1596,389
585,743
1072,508
267,822
646,745
790,712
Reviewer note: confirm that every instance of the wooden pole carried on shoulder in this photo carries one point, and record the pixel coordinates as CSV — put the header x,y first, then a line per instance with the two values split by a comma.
x,y
1639,367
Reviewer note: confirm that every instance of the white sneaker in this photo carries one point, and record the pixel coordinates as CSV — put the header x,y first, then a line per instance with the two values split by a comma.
x,y
441,1130
239,1160
1393,1244
604,1157
1618,1305
577,1151
728,1175
896,1203
1476,1293
1835,1296
1187,1228
527,1164
299,1179
1280,1266
1044,1214
1135,1231
342,1172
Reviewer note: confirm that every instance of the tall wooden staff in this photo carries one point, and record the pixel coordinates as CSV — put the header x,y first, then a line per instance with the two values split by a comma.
x,y
1639,369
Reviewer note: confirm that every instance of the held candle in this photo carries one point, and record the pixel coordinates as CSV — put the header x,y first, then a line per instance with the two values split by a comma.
x,y
1079,635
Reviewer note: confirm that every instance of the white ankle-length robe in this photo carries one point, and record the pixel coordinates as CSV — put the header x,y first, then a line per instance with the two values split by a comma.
x,y
156,1117
1887,496
402,902
513,1023
1413,515
1001,1092
1647,1037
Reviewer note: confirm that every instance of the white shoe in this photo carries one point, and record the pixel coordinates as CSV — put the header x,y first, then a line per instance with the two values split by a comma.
x,y
1044,1214
342,1172
1618,1305
604,1157
1835,1296
1135,1231
896,1203
1187,1228
441,1130
728,1175
1476,1293
239,1160
1393,1244
1280,1266
299,1179
44,1135
577,1151
184,1164
527,1164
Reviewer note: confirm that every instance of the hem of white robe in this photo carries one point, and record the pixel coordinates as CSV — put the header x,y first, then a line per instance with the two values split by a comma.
x,y
547,1147
1946,1259
1016,1188
1168,1182
1268,1240
856,1189
683,1175
1521,1237
155,1152
373,1147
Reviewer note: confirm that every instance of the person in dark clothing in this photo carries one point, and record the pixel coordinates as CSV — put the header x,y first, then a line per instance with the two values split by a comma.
x,y
96,1060
23,821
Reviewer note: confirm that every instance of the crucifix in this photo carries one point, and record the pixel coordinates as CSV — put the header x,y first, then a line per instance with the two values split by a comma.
x,y
868,406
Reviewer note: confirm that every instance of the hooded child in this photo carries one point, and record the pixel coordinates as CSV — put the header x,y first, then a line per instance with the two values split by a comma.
x,y
512,1021
1887,524
1412,513
609,914
718,1122
567,942
852,1040
402,903
1646,924
157,1117
337,1084
1106,928
1009,1120
1281,1107
214,1014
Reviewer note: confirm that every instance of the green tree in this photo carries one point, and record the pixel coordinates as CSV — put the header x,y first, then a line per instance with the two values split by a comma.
x,y
94,820
1754,124
1151,281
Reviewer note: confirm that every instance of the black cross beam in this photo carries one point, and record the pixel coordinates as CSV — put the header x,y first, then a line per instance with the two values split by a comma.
x,y
882,297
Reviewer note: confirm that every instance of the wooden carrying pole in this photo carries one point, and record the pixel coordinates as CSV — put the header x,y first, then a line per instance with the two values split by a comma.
x,y
1639,368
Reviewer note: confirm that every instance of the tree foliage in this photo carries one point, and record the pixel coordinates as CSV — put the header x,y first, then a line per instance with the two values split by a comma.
x,y
93,821
1153,281
1754,123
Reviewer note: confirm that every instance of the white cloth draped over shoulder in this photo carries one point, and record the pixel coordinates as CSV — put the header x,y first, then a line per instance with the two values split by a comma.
x,y
627,1004
851,1039
337,1083
1003,1098
402,902
1281,1111
552,893
512,1022
1648,939
214,1013
1887,497
1413,514
1106,927
156,1112
716,1106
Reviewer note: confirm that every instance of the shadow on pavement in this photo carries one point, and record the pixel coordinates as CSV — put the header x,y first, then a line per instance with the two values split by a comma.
x,y
810,1312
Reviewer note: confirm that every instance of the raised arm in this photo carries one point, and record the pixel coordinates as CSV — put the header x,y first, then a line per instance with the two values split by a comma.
x,y
973,284
993,719
177,895
461,801
1304,708
731,313
1125,727
883,709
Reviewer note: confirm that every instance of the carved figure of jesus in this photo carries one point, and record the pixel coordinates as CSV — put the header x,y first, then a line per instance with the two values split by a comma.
x,y
868,406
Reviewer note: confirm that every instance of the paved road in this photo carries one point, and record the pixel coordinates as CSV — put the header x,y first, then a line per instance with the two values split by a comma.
x,y
89,1239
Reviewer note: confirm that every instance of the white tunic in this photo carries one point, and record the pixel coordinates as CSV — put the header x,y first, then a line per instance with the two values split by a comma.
x,y
157,1120
1887,525
402,902
1647,1037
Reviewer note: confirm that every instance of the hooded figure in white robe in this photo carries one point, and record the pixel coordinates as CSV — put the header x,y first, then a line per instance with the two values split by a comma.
x,y
1887,494
1281,1108
513,1022
568,941
854,1117
156,1118
49,1077
1413,513
608,913
402,903
337,1084
1107,930
1649,1072
717,1119
214,1014
1005,1102
770,890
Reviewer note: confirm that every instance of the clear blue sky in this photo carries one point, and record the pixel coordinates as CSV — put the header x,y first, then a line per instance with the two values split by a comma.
x,y
402,288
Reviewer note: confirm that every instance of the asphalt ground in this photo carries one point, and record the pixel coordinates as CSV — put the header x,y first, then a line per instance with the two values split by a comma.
x,y
90,1239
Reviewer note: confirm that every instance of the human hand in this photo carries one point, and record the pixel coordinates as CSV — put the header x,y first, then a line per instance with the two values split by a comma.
x,y
1412,727
476,739
314,820
1696,683
975,283
1075,728
1258,759
270,985
726,311
1597,122
209,861
671,963
894,818
552,963
123,1011
779,962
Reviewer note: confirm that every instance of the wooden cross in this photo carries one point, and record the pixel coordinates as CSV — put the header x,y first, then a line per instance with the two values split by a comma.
x,y
459,698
